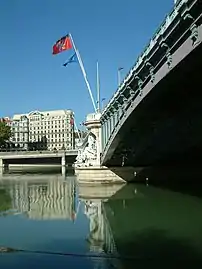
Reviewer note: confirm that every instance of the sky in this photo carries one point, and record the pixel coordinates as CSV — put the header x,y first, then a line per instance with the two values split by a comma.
x,y
112,32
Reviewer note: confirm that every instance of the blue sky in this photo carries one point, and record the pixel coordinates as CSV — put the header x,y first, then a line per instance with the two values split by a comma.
x,y
114,32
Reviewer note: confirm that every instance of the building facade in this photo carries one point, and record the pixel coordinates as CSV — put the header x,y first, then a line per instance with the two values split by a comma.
x,y
47,130
20,131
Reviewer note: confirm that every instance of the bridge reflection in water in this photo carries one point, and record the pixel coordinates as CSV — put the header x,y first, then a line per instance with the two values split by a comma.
x,y
144,226
57,199
100,239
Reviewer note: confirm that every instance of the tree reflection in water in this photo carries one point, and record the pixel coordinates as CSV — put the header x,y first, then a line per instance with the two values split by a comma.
x,y
5,201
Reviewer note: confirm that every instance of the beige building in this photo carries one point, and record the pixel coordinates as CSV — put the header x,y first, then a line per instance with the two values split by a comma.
x,y
46,129
20,131
52,199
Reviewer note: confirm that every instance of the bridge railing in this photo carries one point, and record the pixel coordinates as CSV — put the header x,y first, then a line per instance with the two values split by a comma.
x,y
153,41
178,35
93,116
67,152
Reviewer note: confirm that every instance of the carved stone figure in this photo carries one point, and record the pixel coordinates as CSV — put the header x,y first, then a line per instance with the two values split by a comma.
x,y
79,157
87,152
96,236
90,149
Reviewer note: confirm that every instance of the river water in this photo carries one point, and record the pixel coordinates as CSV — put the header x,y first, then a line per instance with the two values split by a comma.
x,y
49,221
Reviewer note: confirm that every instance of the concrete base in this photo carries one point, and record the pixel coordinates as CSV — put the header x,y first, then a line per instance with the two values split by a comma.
x,y
101,192
104,175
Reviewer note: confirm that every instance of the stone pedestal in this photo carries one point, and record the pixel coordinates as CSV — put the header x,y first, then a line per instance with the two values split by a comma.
x,y
94,126
90,148
104,175
101,192
88,168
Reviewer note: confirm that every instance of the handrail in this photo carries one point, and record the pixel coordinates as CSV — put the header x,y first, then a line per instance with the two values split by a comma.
x,y
7,153
153,41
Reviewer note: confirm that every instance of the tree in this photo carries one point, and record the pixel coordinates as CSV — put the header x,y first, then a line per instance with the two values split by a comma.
x,y
5,132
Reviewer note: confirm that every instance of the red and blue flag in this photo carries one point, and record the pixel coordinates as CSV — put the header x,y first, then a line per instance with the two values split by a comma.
x,y
62,44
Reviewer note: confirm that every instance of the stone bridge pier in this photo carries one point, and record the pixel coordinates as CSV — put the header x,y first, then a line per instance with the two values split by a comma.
x,y
94,128
88,166
3,166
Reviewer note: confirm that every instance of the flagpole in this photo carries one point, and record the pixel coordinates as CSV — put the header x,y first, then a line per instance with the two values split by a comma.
x,y
83,72
98,89
77,130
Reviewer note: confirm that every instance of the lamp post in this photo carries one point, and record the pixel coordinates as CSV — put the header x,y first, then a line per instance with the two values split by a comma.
x,y
119,75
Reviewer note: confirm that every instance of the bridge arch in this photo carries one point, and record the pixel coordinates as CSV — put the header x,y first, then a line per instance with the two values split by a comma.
x,y
160,112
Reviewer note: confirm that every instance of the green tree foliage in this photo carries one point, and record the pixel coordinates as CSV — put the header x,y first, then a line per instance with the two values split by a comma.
x,y
5,132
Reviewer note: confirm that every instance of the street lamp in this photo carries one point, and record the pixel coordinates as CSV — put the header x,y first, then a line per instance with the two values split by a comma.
x,y
119,75
102,103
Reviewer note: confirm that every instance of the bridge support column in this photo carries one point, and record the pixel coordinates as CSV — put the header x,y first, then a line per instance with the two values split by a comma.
x,y
90,150
104,133
63,171
88,167
105,129
115,117
6,167
113,122
63,161
108,128
110,124
1,167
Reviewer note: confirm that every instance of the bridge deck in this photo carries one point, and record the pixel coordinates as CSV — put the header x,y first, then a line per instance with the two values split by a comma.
x,y
36,154
155,116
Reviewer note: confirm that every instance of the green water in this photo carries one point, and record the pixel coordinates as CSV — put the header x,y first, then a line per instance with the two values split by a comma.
x,y
156,227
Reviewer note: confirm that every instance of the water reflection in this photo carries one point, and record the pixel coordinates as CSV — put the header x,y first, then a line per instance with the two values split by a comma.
x,y
100,237
144,226
5,201
53,199
156,227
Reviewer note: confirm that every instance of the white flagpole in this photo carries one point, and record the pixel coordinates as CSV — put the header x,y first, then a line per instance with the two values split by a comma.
x,y
98,89
77,130
83,71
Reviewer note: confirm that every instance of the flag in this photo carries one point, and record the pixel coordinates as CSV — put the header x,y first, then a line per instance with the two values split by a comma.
x,y
72,59
62,44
